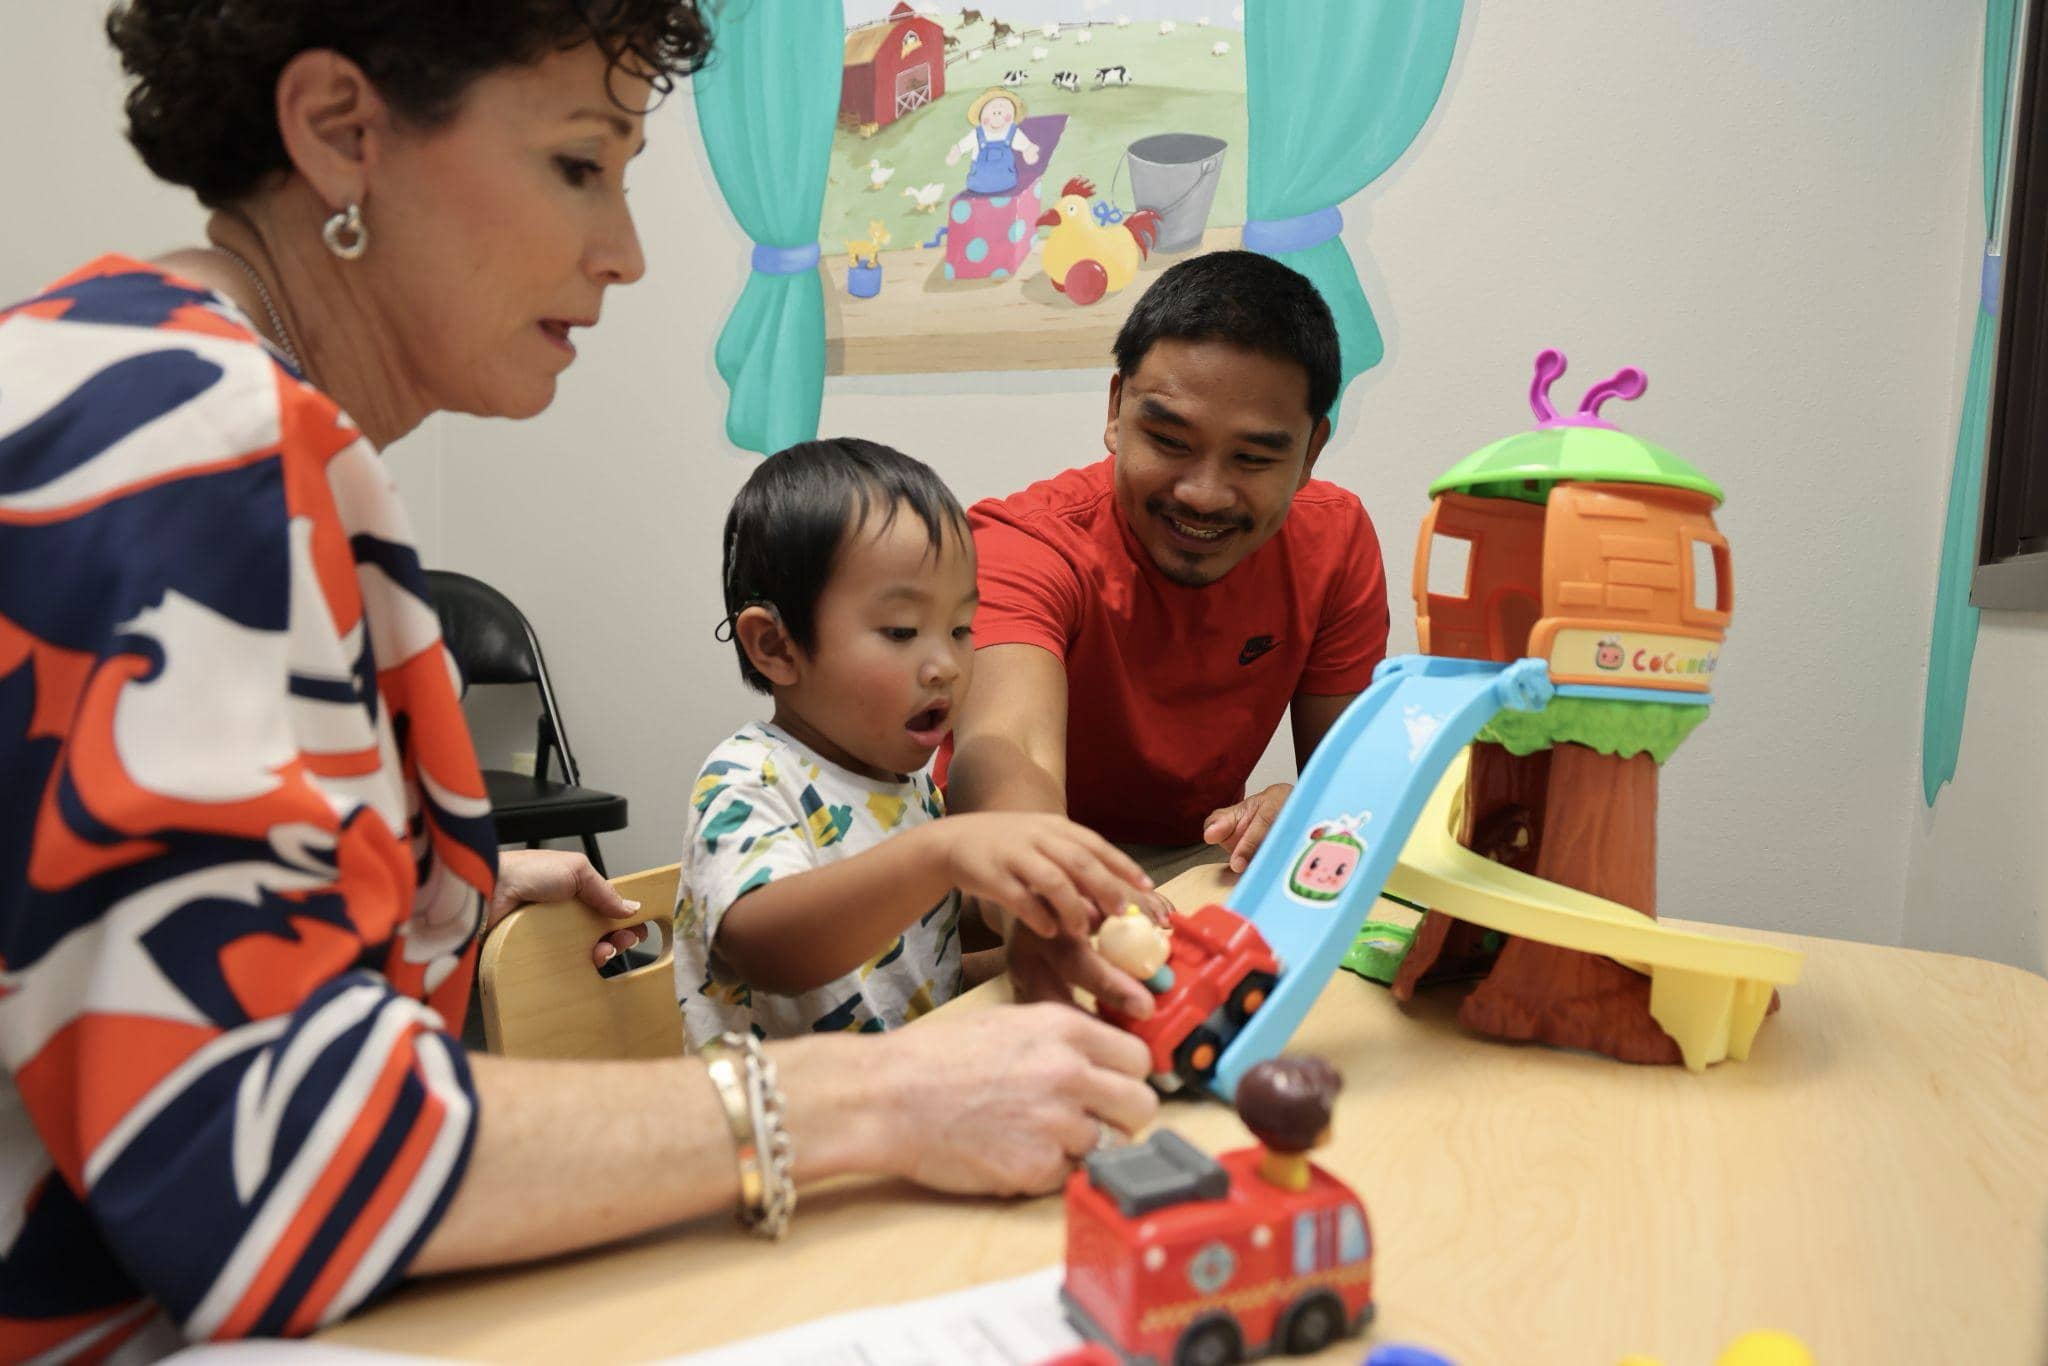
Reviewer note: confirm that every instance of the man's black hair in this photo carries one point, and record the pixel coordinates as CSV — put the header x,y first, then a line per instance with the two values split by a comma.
x,y
798,508
1247,300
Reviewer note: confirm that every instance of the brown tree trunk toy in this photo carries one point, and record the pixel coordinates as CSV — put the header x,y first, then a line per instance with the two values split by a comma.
x,y
1598,833
1504,795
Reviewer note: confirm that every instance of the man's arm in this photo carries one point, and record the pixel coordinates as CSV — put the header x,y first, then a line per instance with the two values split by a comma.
x,y
1010,743
1010,754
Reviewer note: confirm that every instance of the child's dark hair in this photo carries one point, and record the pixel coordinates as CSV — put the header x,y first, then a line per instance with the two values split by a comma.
x,y
1247,300
798,508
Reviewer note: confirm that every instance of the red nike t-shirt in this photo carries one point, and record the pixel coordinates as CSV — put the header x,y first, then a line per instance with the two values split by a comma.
x,y
1173,692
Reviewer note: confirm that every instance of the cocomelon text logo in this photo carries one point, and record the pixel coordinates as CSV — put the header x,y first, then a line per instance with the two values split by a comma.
x,y
1638,658
1334,851
1672,662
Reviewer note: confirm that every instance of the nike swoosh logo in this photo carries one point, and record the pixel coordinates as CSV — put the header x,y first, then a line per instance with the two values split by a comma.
x,y
1255,647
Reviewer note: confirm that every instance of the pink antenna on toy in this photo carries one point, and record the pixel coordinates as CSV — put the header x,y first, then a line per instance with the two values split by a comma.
x,y
1549,365
1626,383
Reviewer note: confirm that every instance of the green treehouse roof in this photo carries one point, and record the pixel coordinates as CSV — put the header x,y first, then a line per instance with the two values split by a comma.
x,y
1580,449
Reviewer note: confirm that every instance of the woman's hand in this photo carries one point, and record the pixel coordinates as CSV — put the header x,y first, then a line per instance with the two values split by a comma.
x,y
1005,1101
1242,828
1045,872
529,875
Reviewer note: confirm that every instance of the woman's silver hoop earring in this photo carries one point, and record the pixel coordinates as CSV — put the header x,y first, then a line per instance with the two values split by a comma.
x,y
345,234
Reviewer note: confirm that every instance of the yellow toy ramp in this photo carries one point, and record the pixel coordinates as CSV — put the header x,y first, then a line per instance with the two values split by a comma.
x,y
1708,993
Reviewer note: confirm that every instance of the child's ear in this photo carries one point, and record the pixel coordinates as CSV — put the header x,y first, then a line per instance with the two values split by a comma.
x,y
761,635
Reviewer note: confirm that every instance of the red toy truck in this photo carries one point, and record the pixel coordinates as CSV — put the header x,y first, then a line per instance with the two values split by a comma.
x,y
1174,1256
1222,971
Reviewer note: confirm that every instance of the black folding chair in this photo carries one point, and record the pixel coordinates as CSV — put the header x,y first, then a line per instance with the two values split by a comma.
x,y
493,643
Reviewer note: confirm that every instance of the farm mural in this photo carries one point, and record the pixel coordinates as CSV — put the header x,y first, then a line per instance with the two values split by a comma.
x,y
1064,143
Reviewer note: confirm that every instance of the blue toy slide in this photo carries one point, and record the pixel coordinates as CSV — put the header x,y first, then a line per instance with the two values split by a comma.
x,y
1315,880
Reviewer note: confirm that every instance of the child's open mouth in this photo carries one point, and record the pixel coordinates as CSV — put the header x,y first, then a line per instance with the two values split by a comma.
x,y
929,726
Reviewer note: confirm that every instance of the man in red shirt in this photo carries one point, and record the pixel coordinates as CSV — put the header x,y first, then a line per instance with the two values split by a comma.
x,y
1145,621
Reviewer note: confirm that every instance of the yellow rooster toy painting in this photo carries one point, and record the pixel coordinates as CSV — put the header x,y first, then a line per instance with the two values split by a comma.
x,y
1086,260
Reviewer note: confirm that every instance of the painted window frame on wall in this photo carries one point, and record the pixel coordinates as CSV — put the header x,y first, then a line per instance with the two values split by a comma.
x,y
2012,553
1316,135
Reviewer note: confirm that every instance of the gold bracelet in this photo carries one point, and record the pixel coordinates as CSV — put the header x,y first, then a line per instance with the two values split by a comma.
x,y
765,1103
729,1080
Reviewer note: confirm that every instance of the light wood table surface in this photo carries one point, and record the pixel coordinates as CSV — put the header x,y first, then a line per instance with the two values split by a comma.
x,y
1874,1179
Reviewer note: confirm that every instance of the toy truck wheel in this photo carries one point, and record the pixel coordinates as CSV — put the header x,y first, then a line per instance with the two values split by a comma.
x,y
1195,1059
1250,994
1209,1342
1313,1322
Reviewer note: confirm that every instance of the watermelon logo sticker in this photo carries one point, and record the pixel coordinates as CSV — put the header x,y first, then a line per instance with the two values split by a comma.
x,y
1334,851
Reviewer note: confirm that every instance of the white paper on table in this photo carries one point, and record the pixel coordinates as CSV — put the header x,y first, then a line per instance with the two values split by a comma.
x,y
1004,1323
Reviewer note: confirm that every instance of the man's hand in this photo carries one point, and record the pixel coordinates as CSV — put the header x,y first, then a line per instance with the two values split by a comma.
x,y
1052,969
1047,873
529,875
1242,828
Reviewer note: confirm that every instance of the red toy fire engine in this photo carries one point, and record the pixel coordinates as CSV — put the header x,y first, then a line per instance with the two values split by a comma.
x,y
1222,971
1174,1256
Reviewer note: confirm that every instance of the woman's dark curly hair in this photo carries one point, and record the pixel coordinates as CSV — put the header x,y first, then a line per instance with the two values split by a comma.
x,y
202,111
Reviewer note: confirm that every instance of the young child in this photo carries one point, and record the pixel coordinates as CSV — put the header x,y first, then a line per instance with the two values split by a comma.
x,y
820,889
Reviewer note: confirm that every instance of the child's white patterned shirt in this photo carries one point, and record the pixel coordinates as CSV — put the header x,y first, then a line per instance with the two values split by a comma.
x,y
766,806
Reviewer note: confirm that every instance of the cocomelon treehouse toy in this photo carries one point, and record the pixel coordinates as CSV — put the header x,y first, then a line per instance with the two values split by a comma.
x,y
1505,780
1596,552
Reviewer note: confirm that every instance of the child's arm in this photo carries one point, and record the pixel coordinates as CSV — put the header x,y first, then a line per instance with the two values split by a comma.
x,y
795,934
1026,147
960,149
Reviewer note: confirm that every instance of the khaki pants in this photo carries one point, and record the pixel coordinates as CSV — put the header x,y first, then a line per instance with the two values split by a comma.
x,y
1165,862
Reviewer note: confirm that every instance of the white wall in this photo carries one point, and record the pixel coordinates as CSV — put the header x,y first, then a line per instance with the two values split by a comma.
x,y
1977,878
1764,206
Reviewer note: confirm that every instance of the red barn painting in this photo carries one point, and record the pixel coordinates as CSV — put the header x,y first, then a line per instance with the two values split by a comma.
x,y
892,68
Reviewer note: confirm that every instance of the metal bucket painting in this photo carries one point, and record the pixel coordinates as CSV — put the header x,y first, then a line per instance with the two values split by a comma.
x,y
1175,175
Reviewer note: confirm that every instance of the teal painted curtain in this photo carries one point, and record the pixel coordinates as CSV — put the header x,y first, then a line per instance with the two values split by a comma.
x,y
1955,620
766,104
1335,94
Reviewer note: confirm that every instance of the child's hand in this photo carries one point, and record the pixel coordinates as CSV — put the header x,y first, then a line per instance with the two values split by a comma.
x,y
1056,877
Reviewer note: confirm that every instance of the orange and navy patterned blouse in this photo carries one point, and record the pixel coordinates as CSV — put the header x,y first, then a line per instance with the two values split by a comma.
x,y
244,846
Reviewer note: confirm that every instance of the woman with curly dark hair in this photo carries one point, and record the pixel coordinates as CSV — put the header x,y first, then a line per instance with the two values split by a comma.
x,y
245,853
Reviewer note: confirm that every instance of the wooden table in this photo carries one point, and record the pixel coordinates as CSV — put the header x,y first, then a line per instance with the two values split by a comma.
x,y
1875,1180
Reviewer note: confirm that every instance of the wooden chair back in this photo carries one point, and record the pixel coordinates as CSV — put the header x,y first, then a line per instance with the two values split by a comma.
x,y
543,998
